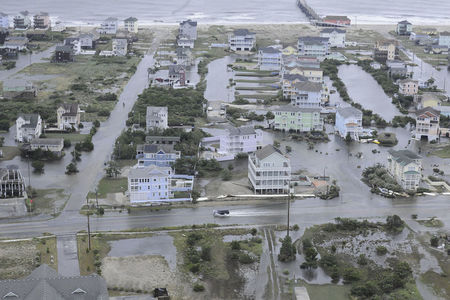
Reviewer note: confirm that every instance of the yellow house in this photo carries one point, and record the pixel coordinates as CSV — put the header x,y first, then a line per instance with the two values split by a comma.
x,y
313,74
289,50
387,45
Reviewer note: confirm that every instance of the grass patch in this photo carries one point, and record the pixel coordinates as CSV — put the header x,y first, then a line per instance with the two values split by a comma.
x,y
432,222
9,152
256,88
443,152
73,137
327,291
49,201
109,186
257,80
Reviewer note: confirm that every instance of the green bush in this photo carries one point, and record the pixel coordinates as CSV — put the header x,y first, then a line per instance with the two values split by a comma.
x,y
198,287
235,245
351,275
245,258
381,250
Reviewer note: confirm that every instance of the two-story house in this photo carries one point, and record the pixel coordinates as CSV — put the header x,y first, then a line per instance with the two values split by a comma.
x,y
404,28
444,39
157,184
177,74
108,26
131,24
68,116
408,87
158,155
307,94
349,122
313,46
311,73
241,40
406,168
120,47
41,21
427,124
87,41
184,41
293,118
22,20
270,58
245,139
28,127
53,145
4,20
336,37
157,118
269,171
16,43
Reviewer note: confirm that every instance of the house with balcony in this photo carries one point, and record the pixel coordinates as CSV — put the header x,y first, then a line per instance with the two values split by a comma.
x,y
397,68
157,155
311,73
245,139
270,59
288,81
185,57
68,116
188,28
404,28
241,40
427,124
406,168
269,171
28,127
12,184
156,118
184,41
158,184
108,26
4,20
349,122
336,37
177,74
444,39
162,140
15,43
45,144
63,54
22,20
41,21
307,94
131,24
385,50
314,46
293,118
408,87
120,47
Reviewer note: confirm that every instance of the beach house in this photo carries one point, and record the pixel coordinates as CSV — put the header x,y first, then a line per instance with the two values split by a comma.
x,y
444,39
349,122
4,20
22,20
270,59
241,40
46,144
18,88
306,94
28,127
63,54
188,28
408,87
385,50
269,171
287,83
245,139
293,118
427,124
41,21
158,155
108,26
406,168
404,28
313,46
120,47
156,118
336,37
131,24
68,116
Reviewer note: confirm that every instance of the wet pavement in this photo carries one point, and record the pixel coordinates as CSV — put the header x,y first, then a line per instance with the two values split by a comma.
x,y
67,255
218,78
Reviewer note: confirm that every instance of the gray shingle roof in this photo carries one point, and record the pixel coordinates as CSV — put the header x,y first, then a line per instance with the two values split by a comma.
x,y
312,40
330,30
404,22
266,151
175,69
291,108
292,77
154,148
150,171
244,130
269,50
403,157
131,19
242,32
45,141
64,49
32,119
308,86
190,22
71,109
44,283
349,112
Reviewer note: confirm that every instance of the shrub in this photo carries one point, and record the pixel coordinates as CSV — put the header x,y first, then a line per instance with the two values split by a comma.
x,y
67,143
351,275
434,241
287,250
381,250
198,287
96,123
38,166
253,231
235,245
195,268
245,258
362,260
295,227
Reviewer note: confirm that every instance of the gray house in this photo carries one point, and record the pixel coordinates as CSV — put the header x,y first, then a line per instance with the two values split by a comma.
x,y
403,28
188,28
156,118
44,283
313,46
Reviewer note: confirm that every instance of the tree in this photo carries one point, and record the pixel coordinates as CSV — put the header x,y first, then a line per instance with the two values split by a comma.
x,y
67,143
96,123
287,250
434,241
348,138
38,166
71,168
2,140
310,254
351,275
394,223
113,169
76,155
226,175
270,115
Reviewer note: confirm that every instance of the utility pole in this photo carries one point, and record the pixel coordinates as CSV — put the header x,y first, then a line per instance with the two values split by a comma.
x,y
89,232
96,196
288,212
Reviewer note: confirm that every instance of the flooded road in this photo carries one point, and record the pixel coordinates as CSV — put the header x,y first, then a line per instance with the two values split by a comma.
x,y
217,80
370,94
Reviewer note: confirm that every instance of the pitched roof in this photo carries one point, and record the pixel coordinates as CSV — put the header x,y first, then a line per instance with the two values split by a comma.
x,y
65,49
150,171
46,141
244,130
189,22
308,86
154,148
408,80
131,19
32,119
349,112
267,151
175,69
111,19
403,157
330,30
269,50
313,40
242,32
292,108
44,283
151,138
444,33
70,109
429,111
292,77
404,22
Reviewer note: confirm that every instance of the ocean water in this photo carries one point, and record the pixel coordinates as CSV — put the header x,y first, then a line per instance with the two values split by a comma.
x,y
234,11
